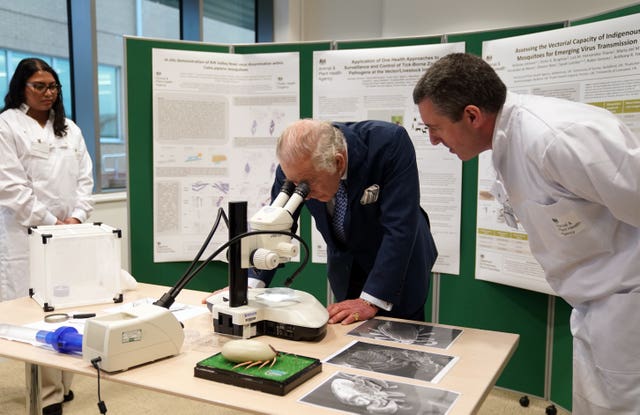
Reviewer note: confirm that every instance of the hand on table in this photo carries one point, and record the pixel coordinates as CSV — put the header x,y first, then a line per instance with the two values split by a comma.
x,y
351,311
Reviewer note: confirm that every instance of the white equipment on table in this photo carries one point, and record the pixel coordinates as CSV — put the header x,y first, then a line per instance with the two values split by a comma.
x,y
129,338
278,312
74,265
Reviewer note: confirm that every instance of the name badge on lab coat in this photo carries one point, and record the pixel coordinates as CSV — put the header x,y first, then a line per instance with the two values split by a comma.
x,y
568,224
40,149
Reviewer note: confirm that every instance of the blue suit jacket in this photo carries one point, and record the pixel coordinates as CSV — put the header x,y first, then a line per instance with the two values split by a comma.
x,y
388,239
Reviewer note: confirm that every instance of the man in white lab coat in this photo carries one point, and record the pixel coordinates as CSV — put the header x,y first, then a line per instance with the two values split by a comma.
x,y
45,179
570,173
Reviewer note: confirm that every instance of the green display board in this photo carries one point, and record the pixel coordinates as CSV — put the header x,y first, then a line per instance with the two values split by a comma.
x,y
561,356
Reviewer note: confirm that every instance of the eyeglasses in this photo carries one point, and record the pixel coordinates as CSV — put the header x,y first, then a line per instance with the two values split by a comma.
x,y
42,88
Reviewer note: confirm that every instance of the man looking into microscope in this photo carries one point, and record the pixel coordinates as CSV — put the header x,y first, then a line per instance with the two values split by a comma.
x,y
364,197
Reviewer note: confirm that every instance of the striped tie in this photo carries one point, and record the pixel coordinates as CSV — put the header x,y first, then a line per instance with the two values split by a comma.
x,y
340,212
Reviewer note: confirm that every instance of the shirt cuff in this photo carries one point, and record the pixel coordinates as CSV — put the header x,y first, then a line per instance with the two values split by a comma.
x,y
79,214
255,283
49,219
376,301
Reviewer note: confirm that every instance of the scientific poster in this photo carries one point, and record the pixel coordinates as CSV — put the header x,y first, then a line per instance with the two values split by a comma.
x,y
377,84
216,118
596,63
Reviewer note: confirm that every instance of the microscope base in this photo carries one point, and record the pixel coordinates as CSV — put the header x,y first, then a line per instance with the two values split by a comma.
x,y
278,312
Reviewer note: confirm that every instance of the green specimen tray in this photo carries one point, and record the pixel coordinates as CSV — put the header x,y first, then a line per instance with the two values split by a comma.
x,y
288,372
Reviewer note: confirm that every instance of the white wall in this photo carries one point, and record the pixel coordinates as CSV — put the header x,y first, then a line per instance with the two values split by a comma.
x,y
416,17
316,20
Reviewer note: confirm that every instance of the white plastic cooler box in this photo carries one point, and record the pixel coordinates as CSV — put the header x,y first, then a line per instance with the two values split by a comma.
x,y
74,265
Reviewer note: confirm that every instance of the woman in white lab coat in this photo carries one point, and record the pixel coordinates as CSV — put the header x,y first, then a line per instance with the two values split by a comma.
x,y
570,173
45,179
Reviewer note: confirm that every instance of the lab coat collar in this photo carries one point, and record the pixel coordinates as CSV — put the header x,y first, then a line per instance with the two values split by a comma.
x,y
25,108
500,139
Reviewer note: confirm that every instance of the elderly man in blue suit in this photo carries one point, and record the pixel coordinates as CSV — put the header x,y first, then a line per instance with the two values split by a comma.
x,y
365,199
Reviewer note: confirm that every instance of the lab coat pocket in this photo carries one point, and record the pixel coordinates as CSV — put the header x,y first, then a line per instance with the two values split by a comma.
x,y
570,230
72,164
39,168
39,149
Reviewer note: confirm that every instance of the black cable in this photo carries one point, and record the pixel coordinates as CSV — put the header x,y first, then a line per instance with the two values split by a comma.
x,y
169,297
185,280
101,405
221,214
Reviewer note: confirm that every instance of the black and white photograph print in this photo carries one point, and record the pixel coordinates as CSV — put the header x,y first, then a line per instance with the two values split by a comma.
x,y
407,333
356,394
413,364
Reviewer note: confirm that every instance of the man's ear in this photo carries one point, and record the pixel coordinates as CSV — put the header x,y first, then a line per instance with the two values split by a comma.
x,y
340,162
473,115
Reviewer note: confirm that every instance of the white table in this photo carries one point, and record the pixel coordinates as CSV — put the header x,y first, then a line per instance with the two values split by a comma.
x,y
482,357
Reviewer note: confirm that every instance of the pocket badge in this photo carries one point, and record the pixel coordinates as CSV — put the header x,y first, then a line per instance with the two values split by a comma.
x,y
370,195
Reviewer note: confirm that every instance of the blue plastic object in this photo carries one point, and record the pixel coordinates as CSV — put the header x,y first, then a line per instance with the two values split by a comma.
x,y
64,340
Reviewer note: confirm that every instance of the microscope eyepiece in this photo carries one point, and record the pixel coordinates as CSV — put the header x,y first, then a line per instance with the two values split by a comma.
x,y
287,187
303,189
285,193
297,198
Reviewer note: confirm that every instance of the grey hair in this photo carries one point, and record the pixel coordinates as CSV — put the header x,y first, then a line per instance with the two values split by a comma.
x,y
318,140
458,80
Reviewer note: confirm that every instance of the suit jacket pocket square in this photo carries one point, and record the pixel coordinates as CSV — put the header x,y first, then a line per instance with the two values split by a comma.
x,y
370,195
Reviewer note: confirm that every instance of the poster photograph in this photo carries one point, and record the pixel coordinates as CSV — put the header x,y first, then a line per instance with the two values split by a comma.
x,y
407,333
356,394
406,363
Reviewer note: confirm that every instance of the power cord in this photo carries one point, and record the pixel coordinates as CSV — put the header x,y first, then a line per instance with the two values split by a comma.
x,y
101,405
